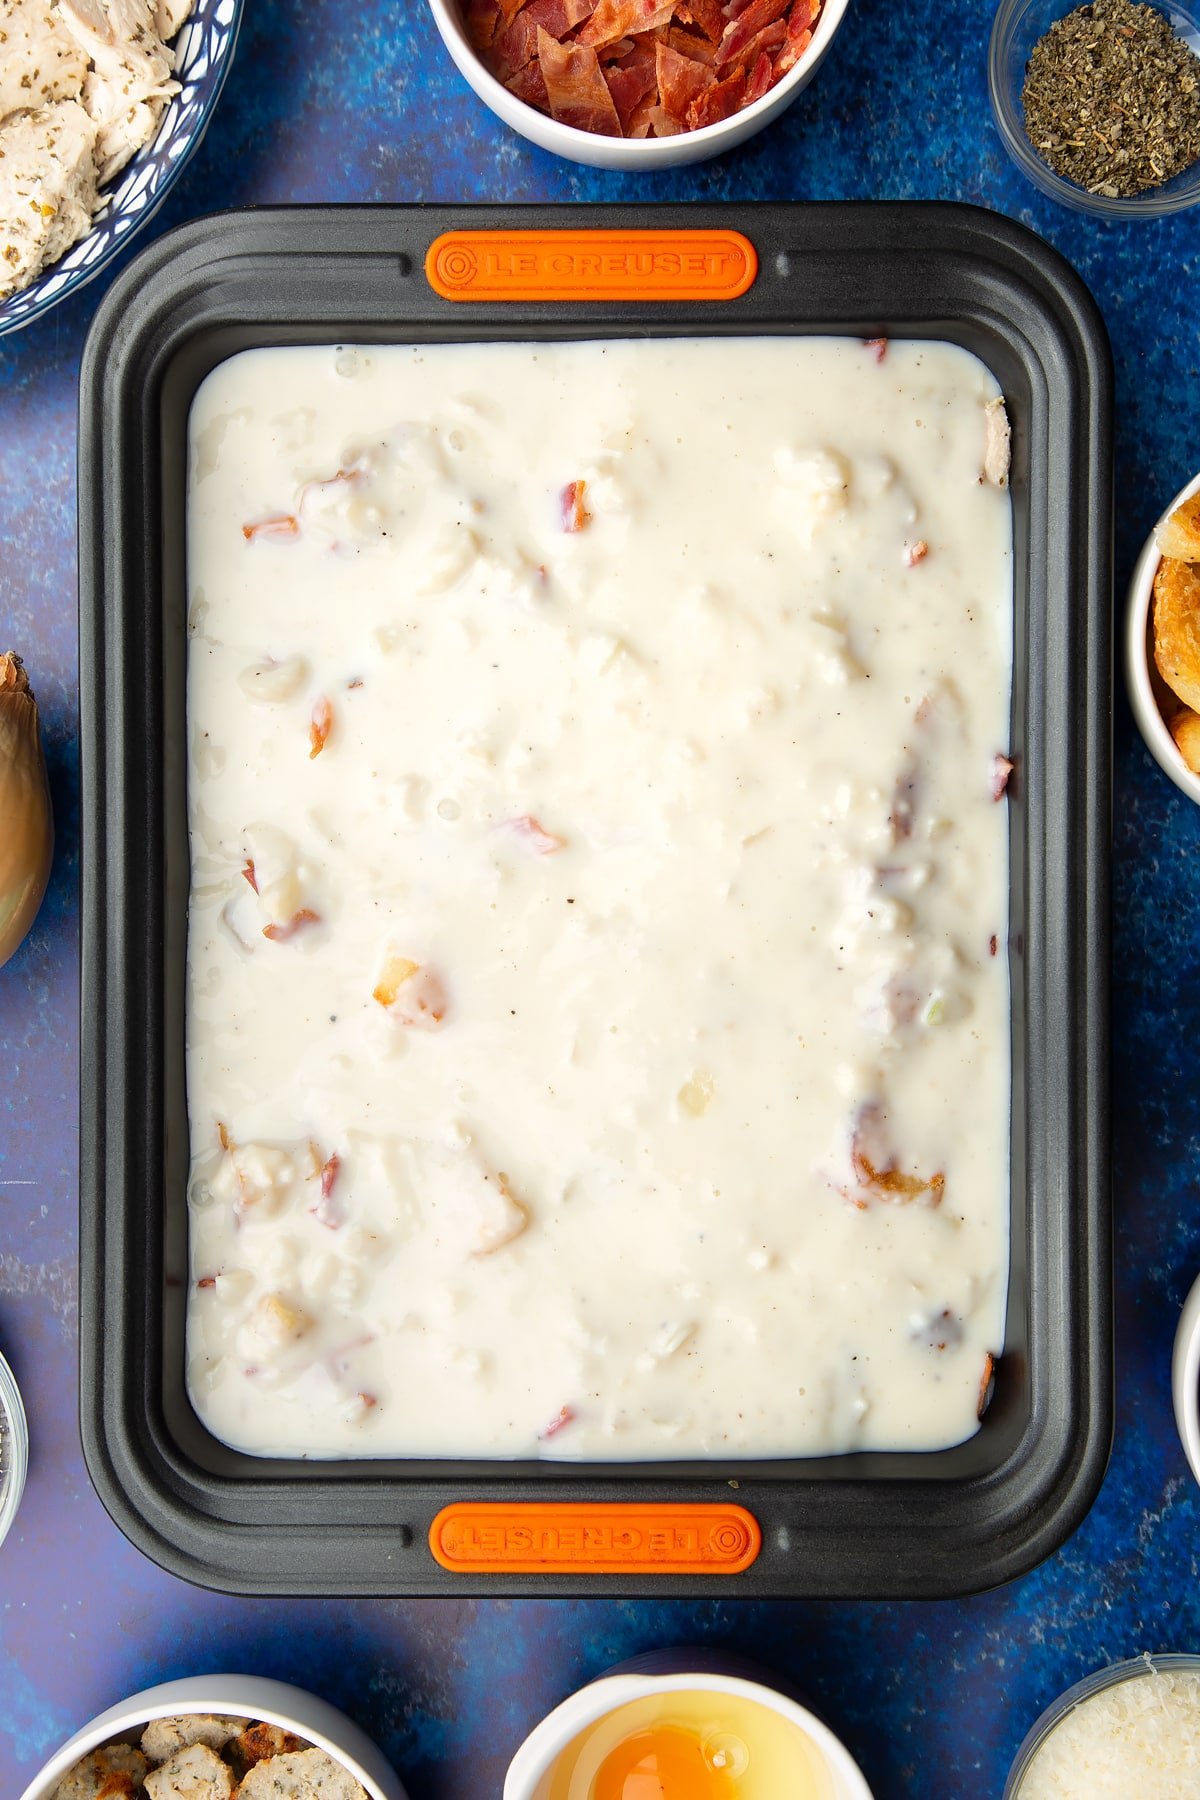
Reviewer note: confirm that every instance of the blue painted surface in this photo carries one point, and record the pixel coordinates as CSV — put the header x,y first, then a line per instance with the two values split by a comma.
x,y
335,102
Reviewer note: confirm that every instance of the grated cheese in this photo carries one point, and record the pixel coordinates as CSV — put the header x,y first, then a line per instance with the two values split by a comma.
x,y
1137,1740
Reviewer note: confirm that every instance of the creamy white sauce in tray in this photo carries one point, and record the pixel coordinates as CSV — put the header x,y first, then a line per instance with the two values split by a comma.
x,y
598,1013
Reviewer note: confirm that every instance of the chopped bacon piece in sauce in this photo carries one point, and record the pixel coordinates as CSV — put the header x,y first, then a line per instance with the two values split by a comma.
x,y
411,994
575,514
283,525
328,1210
599,65
342,478
916,552
283,934
877,1174
320,725
565,1417
1002,768
249,875
539,840
895,1186
879,346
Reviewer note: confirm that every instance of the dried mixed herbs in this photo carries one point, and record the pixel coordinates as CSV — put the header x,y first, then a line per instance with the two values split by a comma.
x,y
1112,99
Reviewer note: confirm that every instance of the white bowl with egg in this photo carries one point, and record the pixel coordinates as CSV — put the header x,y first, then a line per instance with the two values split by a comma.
x,y
1147,691
656,1678
633,153
234,1696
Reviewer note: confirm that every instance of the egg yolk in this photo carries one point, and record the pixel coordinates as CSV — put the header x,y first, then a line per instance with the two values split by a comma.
x,y
662,1763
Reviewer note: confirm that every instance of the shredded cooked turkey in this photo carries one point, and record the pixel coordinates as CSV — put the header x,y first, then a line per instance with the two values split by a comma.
x,y
83,84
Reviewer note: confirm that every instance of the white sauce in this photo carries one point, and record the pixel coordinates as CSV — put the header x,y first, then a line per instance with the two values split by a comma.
x,y
618,1200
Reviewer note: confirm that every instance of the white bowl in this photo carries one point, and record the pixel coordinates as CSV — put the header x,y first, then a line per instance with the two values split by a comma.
x,y
633,153
1141,677
534,1762
235,1696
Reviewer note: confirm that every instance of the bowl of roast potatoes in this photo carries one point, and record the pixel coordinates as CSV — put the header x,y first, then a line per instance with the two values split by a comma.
x,y
1162,646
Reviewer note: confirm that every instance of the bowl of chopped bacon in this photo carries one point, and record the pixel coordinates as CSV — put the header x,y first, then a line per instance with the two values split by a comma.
x,y
638,84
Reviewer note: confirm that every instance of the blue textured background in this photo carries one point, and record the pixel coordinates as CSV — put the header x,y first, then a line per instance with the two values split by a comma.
x,y
329,101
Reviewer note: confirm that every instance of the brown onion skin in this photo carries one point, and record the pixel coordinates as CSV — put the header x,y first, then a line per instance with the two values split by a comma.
x,y
26,818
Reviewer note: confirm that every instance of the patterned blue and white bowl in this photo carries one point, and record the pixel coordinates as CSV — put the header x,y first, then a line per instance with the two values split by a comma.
x,y
204,51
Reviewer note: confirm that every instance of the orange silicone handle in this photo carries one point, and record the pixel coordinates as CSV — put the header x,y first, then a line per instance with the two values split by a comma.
x,y
486,1538
591,265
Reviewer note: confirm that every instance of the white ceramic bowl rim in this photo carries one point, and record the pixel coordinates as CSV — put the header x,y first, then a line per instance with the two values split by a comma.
x,y
570,140
1151,723
237,1696
12,1478
1185,1378
538,1754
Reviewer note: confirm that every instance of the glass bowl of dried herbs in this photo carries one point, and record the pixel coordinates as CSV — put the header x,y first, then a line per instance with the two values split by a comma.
x,y
1099,104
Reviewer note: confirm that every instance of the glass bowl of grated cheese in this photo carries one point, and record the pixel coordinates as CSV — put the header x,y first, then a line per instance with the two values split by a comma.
x,y
1132,1729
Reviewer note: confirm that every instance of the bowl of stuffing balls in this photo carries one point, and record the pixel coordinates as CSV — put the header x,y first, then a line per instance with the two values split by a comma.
x,y
219,1737
101,104
1162,641
638,84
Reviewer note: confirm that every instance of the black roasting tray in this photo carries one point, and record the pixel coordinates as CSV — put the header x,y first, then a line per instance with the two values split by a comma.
x,y
873,1524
